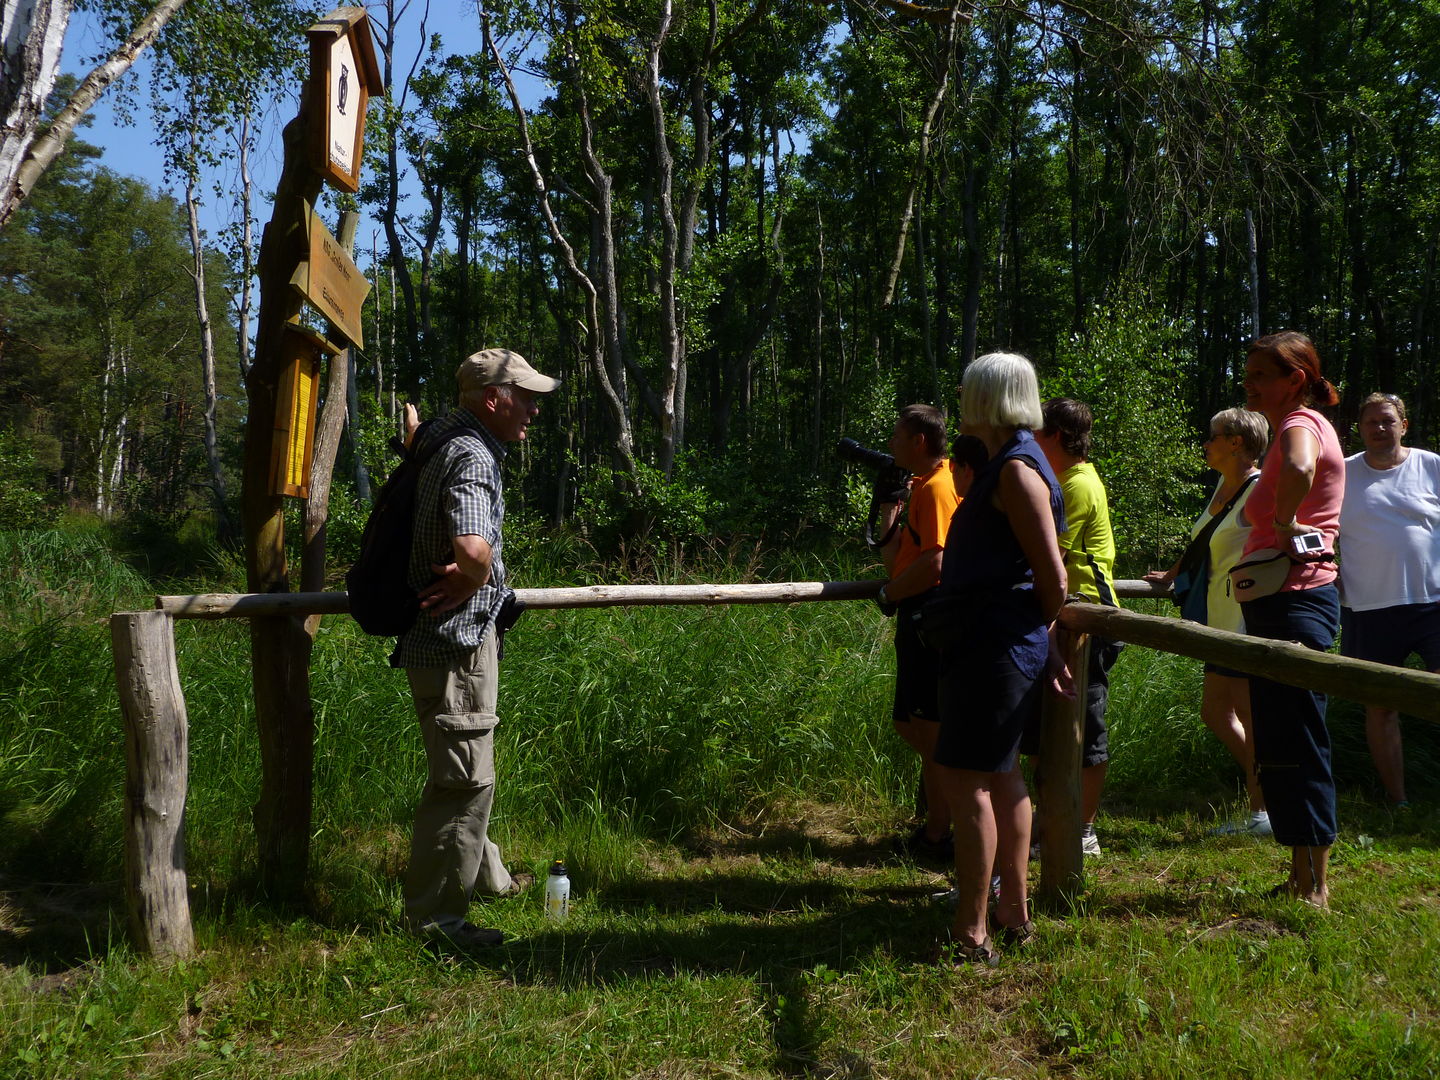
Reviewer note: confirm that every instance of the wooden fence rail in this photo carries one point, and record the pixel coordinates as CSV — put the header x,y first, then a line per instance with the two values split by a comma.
x,y
246,605
157,734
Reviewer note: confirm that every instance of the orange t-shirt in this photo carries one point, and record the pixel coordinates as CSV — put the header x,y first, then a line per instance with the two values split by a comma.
x,y
932,504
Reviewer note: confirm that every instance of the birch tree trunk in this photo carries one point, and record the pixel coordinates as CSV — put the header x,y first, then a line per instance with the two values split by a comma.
x,y
927,126
671,344
390,210
224,525
623,449
244,305
25,153
110,443
33,34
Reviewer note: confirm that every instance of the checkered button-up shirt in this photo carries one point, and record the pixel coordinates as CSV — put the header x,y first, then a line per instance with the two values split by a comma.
x,y
459,494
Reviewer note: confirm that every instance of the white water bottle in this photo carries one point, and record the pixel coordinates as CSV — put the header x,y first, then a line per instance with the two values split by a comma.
x,y
557,893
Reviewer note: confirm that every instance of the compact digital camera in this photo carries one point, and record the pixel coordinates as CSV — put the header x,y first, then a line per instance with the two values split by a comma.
x,y
1307,545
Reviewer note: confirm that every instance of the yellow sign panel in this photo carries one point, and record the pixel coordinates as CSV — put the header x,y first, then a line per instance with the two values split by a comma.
x,y
302,430
297,397
331,281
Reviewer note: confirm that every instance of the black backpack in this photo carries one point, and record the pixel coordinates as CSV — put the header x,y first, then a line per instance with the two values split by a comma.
x,y
381,599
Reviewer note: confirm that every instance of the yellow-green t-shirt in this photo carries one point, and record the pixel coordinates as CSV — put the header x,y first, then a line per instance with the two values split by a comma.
x,y
1088,544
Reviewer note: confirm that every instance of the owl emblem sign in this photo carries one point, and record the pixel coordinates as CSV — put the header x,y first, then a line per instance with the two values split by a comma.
x,y
342,74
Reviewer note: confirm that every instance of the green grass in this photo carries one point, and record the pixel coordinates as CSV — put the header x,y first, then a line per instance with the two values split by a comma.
x,y
724,788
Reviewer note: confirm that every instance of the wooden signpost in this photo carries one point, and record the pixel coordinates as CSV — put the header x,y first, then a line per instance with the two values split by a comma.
x,y
342,73
299,262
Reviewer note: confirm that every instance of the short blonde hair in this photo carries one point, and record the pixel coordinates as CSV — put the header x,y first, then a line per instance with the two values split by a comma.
x,y
1250,428
1000,389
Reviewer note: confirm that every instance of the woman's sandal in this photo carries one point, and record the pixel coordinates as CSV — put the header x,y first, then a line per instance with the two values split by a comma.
x,y
1286,891
958,954
1017,937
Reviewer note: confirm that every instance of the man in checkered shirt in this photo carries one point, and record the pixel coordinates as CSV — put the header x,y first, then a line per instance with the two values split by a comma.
x,y
451,654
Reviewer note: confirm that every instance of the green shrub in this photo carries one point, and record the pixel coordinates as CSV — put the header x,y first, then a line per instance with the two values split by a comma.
x,y
1125,367
25,499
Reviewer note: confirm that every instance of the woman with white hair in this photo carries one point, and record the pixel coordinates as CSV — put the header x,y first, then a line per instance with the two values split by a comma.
x,y
1002,582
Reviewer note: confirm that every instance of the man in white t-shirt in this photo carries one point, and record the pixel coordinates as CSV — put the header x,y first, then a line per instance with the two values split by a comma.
x,y
1390,566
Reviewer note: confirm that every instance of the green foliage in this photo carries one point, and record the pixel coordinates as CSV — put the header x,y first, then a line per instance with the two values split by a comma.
x,y
97,317
1144,444
25,499
649,506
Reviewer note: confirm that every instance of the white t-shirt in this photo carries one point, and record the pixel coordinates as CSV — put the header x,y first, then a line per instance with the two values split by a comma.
x,y
1390,533
1227,546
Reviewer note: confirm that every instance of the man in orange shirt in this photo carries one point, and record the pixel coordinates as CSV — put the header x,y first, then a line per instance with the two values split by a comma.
x,y
914,531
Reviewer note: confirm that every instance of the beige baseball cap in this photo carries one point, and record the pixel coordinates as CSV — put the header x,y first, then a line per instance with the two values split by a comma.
x,y
501,367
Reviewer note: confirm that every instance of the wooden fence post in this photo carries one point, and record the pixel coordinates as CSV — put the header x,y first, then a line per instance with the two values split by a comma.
x,y
1062,736
156,765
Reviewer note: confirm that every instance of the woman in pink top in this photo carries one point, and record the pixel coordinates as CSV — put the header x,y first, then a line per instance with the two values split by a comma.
x,y
1301,487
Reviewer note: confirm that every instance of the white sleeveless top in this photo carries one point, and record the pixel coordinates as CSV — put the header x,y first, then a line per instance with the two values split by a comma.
x,y
1227,545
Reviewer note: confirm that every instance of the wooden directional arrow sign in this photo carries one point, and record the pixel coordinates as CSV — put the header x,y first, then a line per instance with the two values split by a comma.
x,y
331,281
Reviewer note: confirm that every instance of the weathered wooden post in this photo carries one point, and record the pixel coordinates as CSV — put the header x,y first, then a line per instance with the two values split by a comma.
x,y
1062,736
156,771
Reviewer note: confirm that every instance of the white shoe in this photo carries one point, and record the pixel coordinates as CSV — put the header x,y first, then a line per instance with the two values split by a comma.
x,y
1090,844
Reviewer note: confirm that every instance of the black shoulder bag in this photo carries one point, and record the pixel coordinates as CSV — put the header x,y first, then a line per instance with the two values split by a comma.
x,y
1192,581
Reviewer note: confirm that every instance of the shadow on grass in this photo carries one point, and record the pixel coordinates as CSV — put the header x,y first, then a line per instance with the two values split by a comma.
x,y
789,939
797,840
54,928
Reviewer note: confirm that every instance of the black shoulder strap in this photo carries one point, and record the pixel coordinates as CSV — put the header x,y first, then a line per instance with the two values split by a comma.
x,y
1201,542
420,453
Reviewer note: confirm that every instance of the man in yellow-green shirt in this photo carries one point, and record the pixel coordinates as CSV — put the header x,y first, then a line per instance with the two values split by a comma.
x,y
1089,549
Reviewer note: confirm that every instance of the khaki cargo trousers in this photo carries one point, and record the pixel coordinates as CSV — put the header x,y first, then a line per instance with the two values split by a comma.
x,y
451,855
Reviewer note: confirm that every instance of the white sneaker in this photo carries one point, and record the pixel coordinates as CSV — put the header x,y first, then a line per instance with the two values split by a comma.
x,y
1090,844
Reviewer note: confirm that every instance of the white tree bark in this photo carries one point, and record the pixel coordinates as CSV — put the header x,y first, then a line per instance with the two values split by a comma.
x,y
110,446
33,33
671,341
207,357
597,335
244,303
25,153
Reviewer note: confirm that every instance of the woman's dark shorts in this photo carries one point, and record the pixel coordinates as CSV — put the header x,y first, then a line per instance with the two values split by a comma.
x,y
986,701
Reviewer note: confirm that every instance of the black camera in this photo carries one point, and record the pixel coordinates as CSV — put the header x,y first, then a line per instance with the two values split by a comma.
x,y
891,481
